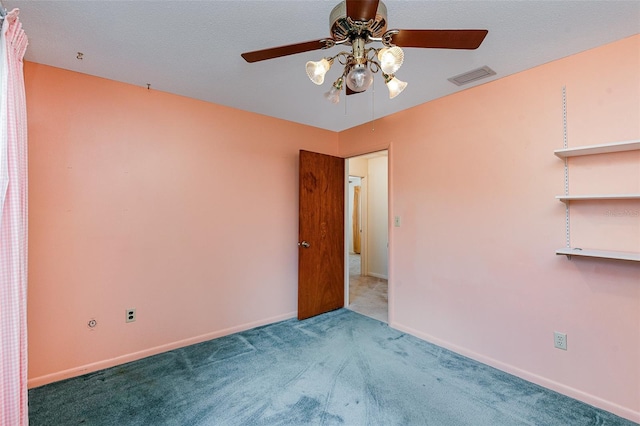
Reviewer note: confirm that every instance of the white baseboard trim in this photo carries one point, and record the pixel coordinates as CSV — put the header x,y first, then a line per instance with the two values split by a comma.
x,y
112,362
374,275
593,400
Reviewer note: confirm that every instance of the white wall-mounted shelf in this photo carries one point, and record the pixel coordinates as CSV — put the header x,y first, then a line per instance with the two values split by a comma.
x,y
633,145
568,198
565,153
602,254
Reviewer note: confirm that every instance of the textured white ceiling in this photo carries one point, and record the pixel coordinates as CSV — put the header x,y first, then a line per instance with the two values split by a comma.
x,y
192,48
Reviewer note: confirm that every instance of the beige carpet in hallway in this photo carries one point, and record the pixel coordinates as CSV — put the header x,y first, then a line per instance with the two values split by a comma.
x,y
367,295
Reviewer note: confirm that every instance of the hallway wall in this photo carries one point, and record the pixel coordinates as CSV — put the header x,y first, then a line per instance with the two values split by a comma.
x,y
378,217
375,215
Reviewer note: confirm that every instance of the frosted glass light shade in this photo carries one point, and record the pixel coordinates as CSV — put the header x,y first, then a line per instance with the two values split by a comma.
x,y
395,86
391,58
359,78
333,95
317,70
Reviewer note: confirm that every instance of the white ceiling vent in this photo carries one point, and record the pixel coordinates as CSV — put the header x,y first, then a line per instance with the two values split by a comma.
x,y
471,76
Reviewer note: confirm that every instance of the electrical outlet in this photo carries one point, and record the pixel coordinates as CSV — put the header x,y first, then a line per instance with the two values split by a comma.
x,y
131,315
396,221
560,340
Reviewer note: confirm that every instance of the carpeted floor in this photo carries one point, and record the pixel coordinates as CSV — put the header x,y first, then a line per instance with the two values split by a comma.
x,y
337,368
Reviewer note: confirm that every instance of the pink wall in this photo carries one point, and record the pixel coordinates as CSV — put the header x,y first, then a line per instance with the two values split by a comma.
x,y
472,267
184,210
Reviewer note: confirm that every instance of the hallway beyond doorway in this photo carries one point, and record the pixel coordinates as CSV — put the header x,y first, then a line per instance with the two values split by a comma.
x,y
367,295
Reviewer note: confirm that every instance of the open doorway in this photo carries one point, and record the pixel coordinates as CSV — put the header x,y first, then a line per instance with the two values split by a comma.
x,y
367,235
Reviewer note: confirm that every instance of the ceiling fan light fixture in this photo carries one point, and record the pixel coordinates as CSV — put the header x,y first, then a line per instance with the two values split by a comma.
x,y
394,85
359,78
356,23
316,70
391,59
333,95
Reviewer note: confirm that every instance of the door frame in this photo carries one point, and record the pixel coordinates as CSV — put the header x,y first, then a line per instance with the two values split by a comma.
x,y
364,240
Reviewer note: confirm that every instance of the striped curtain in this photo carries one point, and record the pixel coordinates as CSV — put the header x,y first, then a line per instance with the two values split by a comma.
x,y
13,225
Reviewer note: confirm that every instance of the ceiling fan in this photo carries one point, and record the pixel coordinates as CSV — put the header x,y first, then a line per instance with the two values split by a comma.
x,y
357,23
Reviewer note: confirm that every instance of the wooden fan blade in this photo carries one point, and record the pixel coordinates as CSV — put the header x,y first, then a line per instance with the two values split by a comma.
x,y
362,10
440,39
290,49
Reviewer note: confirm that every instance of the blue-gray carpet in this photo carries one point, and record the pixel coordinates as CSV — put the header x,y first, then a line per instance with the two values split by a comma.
x,y
337,368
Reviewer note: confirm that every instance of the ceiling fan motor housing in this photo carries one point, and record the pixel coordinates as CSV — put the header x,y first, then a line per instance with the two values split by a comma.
x,y
342,28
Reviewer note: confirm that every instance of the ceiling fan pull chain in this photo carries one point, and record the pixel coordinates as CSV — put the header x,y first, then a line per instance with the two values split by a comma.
x,y
346,99
373,106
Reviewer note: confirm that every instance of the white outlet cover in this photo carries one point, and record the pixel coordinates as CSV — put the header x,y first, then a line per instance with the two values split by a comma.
x,y
560,340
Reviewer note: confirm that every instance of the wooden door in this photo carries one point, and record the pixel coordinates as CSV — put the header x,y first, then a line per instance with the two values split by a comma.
x,y
321,234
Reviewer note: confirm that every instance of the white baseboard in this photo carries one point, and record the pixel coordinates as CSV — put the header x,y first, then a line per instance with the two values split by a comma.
x,y
112,362
593,400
